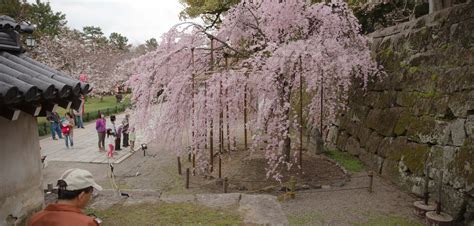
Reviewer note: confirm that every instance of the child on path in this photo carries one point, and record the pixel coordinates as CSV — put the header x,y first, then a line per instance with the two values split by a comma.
x,y
132,139
110,143
66,130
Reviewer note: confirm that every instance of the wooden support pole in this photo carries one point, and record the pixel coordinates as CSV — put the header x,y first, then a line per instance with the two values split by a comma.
x,y
440,189
227,106
301,117
179,165
321,106
205,110
187,178
211,135
371,180
221,120
227,120
211,144
193,140
225,185
220,167
245,117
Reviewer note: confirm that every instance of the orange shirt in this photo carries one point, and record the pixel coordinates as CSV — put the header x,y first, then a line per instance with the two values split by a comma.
x,y
61,214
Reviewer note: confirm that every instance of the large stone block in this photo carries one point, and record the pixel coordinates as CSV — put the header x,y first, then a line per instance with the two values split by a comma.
x,y
371,160
383,121
381,100
461,103
373,143
463,164
363,135
458,133
412,155
469,126
428,130
403,123
456,79
453,202
390,146
353,147
352,128
341,140
332,135
390,170
358,113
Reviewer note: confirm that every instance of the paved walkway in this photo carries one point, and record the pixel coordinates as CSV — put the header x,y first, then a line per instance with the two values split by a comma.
x,y
85,147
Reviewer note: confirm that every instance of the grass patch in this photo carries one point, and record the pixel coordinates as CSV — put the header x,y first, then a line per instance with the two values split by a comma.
x,y
306,219
93,105
391,221
349,162
166,214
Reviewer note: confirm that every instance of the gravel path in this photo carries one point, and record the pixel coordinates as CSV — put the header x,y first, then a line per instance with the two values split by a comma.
x,y
158,171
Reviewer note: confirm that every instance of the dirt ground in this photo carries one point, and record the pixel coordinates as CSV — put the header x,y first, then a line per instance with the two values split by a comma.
x,y
327,196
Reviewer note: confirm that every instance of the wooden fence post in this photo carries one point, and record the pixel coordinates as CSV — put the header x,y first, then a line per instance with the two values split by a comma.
x,y
187,178
179,165
225,184
220,166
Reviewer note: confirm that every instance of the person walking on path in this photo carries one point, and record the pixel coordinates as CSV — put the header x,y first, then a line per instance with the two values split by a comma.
x,y
132,139
79,122
66,129
70,118
117,132
75,189
125,130
100,126
54,121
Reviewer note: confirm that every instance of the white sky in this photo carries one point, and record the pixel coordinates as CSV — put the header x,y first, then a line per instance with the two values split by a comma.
x,y
138,20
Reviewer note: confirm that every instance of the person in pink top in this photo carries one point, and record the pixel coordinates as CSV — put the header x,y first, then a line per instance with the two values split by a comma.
x,y
100,126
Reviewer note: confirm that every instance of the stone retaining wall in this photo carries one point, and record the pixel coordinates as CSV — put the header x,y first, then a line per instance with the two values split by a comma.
x,y
422,111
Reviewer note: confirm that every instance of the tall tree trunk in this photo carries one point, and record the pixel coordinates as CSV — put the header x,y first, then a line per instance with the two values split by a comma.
x,y
285,97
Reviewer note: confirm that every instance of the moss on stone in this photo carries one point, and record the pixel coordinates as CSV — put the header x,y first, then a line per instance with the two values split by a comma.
x,y
415,160
413,155
422,126
403,123
463,163
413,70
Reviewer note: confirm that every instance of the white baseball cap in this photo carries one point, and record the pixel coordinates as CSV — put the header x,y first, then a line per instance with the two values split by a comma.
x,y
79,179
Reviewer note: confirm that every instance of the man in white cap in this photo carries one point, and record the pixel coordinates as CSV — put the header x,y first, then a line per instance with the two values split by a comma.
x,y
74,192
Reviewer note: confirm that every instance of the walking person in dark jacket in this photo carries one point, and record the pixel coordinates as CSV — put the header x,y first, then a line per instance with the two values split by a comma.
x,y
54,124
125,130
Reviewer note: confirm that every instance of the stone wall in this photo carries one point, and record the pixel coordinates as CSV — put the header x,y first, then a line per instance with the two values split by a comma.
x,y
21,190
422,111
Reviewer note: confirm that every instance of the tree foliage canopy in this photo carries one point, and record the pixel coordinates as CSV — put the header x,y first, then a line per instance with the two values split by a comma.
x,y
210,11
118,41
275,48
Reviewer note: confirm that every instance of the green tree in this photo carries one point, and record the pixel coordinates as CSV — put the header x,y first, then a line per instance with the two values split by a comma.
x,y
17,9
151,44
94,36
92,32
209,10
46,20
118,41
